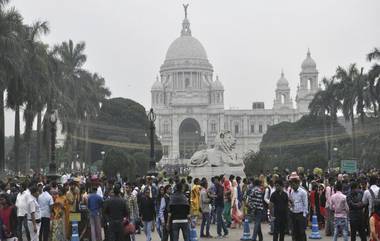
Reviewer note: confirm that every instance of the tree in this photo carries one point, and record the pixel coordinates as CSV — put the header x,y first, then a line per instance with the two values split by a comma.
x,y
348,94
10,23
35,96
374,81
72,58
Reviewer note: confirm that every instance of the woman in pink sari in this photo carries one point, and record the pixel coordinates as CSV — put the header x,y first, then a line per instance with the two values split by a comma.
x,y
236,213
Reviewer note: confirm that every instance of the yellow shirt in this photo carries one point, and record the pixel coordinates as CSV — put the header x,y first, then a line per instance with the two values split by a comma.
x,y
195,200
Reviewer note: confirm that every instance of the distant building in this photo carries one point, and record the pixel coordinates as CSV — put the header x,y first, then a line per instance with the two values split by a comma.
x,y
189,102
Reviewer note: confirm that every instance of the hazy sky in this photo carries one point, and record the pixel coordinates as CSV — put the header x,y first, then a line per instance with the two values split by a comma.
x,y
247,42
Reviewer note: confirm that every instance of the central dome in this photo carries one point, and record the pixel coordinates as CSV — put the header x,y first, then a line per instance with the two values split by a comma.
x,y
186,47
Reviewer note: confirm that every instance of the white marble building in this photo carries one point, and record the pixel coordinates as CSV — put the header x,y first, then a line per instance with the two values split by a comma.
x,y
189,102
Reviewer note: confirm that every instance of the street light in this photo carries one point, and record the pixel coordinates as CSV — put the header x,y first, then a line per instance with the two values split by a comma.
x,y
53,130
335,149
152,164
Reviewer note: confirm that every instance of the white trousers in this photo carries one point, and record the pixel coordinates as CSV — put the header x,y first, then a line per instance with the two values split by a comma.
x,y
34,236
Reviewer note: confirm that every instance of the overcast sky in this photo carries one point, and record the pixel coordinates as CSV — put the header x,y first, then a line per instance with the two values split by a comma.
x,y
247,42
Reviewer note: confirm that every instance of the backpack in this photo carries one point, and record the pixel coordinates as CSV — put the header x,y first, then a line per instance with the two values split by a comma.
x,y
375,200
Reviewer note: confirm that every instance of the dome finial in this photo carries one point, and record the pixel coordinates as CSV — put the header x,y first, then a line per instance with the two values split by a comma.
x,y
185,24
308,52
282,73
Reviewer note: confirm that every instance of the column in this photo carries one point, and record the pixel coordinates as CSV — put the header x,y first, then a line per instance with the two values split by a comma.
x,y
175,138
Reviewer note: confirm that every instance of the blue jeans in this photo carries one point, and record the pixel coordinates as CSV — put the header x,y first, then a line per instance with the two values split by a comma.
x,y
159,227
148,230
206,218
341,223
219,222
258,217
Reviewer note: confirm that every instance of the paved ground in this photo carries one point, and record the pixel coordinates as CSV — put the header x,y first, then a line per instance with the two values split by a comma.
x,y
235,235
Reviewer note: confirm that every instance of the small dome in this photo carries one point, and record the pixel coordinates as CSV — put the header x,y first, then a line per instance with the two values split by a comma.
x,y
308,63
282,81
217,85
186,47
157,85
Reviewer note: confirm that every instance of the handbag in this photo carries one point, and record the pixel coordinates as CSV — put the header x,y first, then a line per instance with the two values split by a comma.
x,y
129,228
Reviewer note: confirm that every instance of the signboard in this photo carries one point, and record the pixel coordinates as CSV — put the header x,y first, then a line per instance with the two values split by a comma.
x,y
74,217
349,166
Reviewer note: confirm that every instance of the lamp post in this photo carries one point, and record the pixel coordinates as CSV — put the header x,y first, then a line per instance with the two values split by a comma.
x,y
152,164
53,130
335,149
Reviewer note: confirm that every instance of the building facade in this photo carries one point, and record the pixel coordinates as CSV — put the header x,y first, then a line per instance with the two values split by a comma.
x,y
189,102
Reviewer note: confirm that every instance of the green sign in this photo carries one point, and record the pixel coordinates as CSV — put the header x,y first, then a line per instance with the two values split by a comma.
x,y
349,166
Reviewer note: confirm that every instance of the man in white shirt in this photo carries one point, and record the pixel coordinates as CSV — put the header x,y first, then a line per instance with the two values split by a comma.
x,y
269,190
373,190
22,209
34,215
45,201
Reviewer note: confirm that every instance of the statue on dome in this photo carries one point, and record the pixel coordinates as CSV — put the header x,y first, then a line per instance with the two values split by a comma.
x,y
185,6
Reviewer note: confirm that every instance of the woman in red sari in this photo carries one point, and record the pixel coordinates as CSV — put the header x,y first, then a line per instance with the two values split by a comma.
x,y
374,224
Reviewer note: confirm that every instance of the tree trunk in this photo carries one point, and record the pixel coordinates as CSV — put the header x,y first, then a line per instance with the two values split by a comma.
x,y
2,133
38,151
326,138
86,149
353,134
16,147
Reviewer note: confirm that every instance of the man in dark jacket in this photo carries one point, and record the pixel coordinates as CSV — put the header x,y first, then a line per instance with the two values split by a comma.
x,y
179,214
219,206
357,222
147,212
115,210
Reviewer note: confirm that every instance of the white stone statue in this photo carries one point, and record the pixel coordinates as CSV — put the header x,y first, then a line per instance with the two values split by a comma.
x,y
222,155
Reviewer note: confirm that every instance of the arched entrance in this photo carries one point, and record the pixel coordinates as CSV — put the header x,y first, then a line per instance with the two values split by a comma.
x,y
189,138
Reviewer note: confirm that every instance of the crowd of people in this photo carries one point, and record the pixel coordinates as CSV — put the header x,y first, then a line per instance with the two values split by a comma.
x,y
113,209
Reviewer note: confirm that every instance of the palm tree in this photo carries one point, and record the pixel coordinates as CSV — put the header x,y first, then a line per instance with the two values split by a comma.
x,y
374,81
72,59
348,94
37,77
10,23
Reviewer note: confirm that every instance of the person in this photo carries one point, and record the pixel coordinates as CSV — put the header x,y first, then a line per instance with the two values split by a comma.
x,y
34,214
161,194
269,190
58,216
8,217
179,214
164,211
21,204
147,213
219,207
374,223
329,225
132,205
340,207
370,193
235,211
227,201
256,205
115,211
206,210
94,205
298,202
279,211
45,200
355,204
195,198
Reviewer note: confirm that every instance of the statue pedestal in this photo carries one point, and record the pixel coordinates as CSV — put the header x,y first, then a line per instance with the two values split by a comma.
x,y
209,172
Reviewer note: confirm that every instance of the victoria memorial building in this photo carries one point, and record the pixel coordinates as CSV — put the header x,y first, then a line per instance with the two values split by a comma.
x,y
189,102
